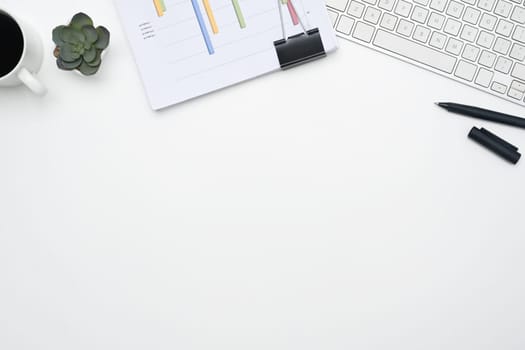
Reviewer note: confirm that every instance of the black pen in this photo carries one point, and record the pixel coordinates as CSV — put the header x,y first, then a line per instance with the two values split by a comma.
x,y
484,114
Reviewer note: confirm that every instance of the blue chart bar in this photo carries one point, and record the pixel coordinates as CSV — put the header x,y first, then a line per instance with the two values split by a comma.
x,y
202,25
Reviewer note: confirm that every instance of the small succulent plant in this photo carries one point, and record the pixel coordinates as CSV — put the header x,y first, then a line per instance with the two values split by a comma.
x,y
79,45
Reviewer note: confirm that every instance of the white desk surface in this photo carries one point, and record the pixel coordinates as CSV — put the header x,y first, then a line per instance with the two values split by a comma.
x,y
332,206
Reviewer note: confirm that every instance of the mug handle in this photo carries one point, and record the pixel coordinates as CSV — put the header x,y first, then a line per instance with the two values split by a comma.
x,y
31,82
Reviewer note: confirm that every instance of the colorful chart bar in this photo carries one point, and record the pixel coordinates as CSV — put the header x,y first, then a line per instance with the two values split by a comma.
x,y
202,25
238,13
160,7
293,13
291,9
211,17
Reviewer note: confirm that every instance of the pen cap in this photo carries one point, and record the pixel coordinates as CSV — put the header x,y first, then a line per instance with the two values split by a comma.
x,y
495,144
499,139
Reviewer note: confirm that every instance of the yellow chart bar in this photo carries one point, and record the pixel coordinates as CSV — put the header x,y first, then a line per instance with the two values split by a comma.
x,y
211,17
158,7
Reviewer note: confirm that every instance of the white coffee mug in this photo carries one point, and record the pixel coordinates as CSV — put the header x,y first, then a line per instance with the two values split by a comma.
x,y
30,60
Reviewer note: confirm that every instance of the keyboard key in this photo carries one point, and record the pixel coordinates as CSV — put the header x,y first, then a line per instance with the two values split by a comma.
x,y
415,51
386,5
469,33
345,25
484,77
363,32
419,15
488,22
487,58
436,21
518,71
371,2
518,15
471,15
403,8
455,9
517,52
504,27
405,27
485,39
454,46
438,40
465,70
503,8
518,85
503,65
470,53
452,27
519,34
486,5
499,87
421,34
518,95
356,9
372,15
388,21
501,46
438,5
337,4
470,2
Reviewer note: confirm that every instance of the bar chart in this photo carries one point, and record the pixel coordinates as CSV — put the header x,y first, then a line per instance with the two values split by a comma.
x,y
209,25
180,55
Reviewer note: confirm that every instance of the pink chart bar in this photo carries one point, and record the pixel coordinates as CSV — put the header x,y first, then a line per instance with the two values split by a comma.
x,y
293,13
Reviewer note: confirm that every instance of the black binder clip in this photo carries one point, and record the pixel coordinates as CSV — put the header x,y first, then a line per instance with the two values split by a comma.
x,y
298,49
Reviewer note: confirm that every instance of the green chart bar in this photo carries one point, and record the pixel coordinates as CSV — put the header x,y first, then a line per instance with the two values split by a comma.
x,y
238,12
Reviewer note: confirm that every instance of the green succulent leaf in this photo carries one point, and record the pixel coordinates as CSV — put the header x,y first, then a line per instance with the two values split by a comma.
x,y
97,61
68,53
103,38
60,64
80,20
57,35
72,36
90,33
90,55
68,65
86,69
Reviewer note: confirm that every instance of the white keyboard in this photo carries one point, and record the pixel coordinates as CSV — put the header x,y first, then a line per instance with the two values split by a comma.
x,y
477,42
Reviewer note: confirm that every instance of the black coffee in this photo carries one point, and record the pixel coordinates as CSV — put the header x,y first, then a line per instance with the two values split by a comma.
x,y
12,44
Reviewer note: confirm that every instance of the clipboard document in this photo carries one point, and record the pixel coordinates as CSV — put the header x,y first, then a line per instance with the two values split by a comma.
x,y
188,48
